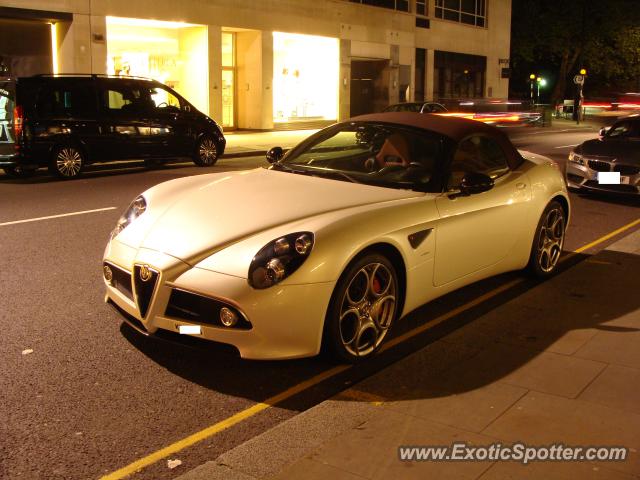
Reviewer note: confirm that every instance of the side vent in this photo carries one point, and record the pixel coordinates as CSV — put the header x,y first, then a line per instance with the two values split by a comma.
x,y
416,239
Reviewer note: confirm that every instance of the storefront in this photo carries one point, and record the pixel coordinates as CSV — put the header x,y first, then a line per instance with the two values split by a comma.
x,y
459,76
174,53
276,65
305,78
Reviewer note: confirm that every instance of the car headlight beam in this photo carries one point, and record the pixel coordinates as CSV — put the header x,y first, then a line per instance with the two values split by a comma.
x,y
279,258
137,208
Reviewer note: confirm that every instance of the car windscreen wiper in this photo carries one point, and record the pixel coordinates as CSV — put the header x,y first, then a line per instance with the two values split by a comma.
x,y
286,168
336,173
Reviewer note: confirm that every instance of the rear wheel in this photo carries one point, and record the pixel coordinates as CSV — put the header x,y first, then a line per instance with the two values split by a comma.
x,y
67,162
207,152
19,172
548,241
363,307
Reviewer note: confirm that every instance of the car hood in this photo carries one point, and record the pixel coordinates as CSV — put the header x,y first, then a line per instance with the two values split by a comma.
x,y
623,150
218,210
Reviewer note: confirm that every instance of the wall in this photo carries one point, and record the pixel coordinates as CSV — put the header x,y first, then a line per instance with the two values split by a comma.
x,y
249,46
194,53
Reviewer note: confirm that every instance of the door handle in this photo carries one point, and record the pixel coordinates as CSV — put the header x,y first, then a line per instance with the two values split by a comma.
x,y
521,185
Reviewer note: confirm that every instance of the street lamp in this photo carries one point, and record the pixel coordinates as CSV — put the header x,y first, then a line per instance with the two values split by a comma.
x,y
532,78
577,104
540,81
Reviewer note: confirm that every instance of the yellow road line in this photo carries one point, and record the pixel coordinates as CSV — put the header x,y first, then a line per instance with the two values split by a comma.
x,y
608,236
315,380
224,424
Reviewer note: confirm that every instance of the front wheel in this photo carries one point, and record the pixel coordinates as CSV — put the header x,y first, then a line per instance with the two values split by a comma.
x,y
66,162
207,152
548,241
362,309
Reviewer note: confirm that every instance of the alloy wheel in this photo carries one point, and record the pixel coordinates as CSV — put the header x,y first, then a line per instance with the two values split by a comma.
x,y
368,308
207,151
68,162
551,240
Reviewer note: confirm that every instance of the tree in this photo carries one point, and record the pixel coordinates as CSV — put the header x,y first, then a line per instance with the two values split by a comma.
x,y
566,35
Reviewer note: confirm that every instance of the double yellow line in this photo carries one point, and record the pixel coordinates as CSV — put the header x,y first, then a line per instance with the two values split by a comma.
x,y
332,372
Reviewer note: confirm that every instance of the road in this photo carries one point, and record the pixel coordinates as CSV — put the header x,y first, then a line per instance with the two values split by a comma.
x,y
82,395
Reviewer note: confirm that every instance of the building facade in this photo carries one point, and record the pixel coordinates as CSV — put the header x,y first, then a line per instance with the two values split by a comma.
x,y
264,64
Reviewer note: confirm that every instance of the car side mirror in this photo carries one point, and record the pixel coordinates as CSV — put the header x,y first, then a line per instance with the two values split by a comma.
x,y
475,183
603,131
275,154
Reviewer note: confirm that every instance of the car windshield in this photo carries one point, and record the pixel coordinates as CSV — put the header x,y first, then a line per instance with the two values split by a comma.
x,y
375,154
625,130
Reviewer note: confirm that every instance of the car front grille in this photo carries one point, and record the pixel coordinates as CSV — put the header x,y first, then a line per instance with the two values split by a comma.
x,y
626,169
196,308
599,166
144,279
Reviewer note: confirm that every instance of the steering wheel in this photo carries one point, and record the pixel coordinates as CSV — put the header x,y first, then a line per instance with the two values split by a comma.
x,y
162,105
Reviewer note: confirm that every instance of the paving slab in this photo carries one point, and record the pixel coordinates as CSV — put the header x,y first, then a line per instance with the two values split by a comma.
x,y
553,471
371,450
543,419
616,387
621,348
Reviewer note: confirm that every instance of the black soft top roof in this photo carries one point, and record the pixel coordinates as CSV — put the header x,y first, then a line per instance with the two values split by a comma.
x,y
454,128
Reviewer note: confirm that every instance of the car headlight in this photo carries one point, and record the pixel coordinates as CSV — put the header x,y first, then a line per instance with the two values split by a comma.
x,y
279,259
137,208
576,158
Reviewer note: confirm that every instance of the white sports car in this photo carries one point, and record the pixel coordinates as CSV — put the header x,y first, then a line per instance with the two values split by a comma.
x,y
355,227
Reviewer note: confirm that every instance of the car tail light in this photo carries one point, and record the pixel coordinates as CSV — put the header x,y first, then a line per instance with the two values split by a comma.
x,y
18,121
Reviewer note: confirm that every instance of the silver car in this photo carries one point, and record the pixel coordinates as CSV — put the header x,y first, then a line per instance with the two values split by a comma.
x,y
616,150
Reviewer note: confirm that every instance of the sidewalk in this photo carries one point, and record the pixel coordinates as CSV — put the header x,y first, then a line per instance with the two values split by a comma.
x,y
246,144
557,364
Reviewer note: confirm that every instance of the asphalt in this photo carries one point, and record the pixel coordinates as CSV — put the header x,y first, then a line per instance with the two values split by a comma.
x,y
558,364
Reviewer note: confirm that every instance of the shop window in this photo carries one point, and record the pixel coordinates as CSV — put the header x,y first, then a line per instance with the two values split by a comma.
x,y
305,77
458,75
173,53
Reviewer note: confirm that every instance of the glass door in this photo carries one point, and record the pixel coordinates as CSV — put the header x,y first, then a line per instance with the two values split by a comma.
x,y
228,80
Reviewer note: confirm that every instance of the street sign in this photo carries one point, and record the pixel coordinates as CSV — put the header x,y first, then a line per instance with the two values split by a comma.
x,y
578,79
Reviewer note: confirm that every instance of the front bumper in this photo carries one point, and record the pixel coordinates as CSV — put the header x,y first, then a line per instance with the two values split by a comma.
x,y
582,177
285,321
